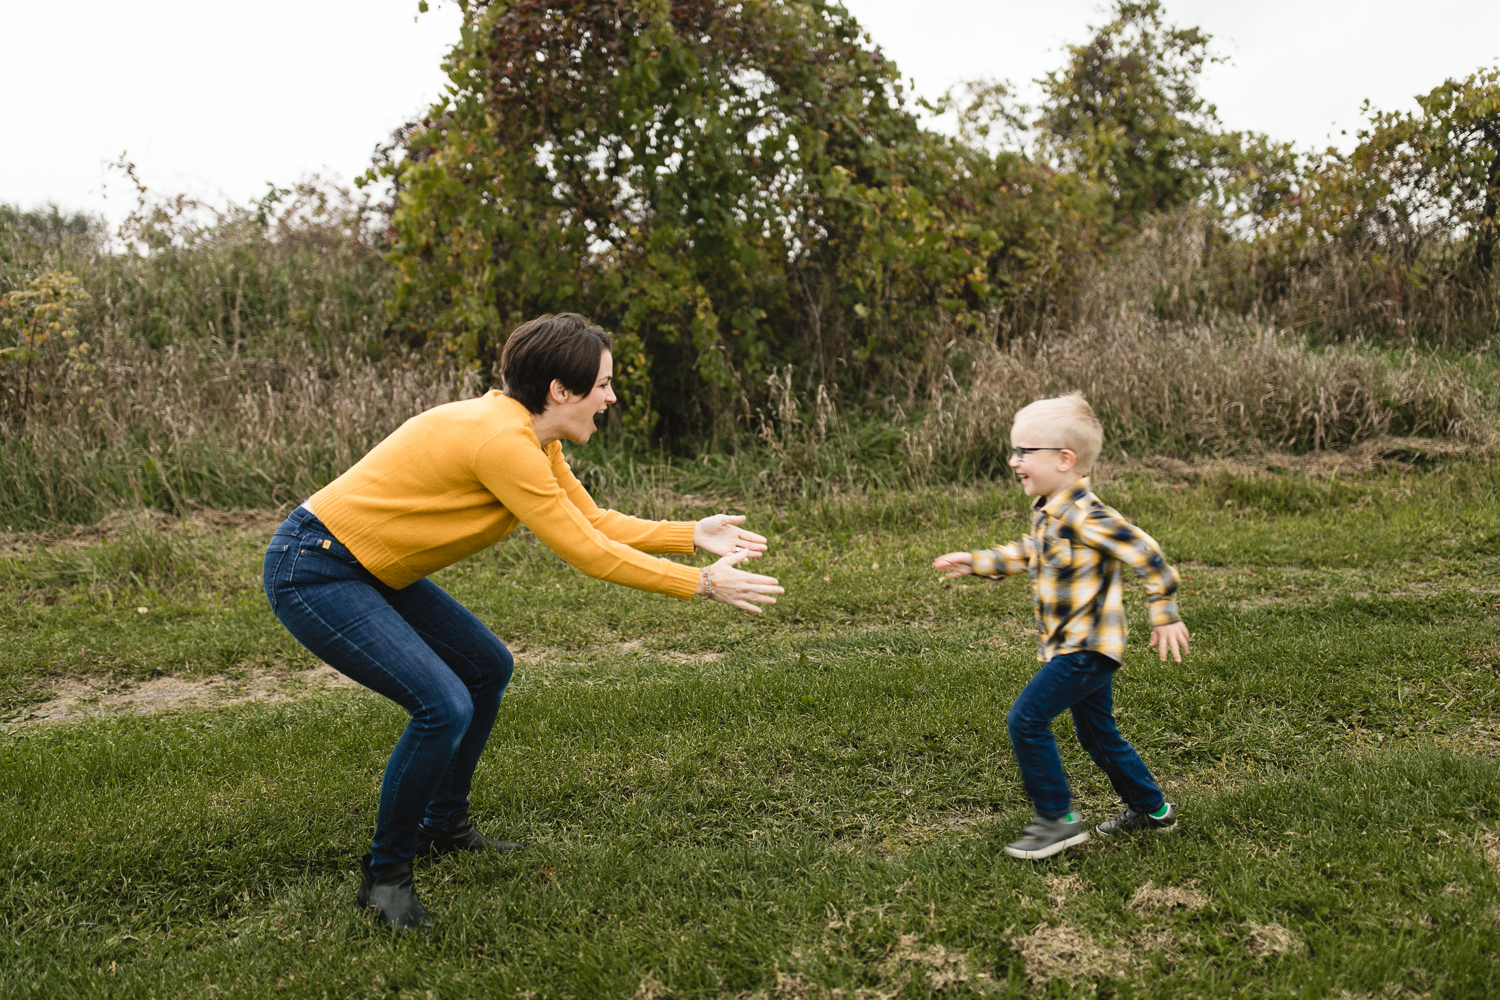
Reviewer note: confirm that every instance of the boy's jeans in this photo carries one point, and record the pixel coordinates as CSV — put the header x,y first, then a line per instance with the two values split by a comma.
x,y
1080,681
418,647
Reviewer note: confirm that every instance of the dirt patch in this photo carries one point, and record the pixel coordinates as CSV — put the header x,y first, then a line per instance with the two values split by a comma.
x,y
650,989
1158,939
687,659
918,832
1267,940
1168,897
1365,457
82,698
1390,991
122,524
792,986
1489,844
1061,888
939,966
1068,954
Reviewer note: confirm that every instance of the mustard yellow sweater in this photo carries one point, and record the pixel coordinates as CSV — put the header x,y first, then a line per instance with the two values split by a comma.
x,y
460,477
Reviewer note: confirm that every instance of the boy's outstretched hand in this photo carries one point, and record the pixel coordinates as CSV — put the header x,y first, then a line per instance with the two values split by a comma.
x,y
956,563
1174,635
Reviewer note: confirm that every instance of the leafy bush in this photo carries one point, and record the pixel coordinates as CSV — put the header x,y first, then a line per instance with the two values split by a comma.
x,y
733,188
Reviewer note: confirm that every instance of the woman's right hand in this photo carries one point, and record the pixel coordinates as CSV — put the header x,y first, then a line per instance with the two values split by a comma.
x,y
735,586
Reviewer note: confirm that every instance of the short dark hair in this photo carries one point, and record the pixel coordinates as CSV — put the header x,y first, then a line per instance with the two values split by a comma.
x,y
565,347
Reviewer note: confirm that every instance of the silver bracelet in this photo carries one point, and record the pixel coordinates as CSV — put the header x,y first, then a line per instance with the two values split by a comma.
x,y
706,580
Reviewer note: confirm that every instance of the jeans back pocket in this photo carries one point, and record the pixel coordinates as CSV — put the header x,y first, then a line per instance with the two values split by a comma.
x,y
276,554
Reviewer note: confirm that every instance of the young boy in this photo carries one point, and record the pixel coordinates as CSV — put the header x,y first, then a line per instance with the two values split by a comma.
x,y
1074,555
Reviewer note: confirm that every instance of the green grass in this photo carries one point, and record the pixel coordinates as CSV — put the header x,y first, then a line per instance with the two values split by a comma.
x,y
801,803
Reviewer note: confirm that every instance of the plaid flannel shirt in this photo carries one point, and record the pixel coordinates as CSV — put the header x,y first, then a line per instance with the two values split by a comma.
x,y
1074,555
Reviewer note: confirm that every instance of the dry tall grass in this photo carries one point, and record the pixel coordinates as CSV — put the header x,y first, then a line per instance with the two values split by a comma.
x,y
200,424
246,364
241,361
1226,388
1173,367
1419,287
126,391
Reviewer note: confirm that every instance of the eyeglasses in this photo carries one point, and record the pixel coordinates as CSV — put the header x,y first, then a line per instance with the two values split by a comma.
x,y
1019,454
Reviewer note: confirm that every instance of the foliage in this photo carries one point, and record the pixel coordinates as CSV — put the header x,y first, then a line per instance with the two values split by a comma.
x,y
1436,169
733,187
31,240
1175,389
1125,111
810,291
310,384
45,311
1394,238
214,346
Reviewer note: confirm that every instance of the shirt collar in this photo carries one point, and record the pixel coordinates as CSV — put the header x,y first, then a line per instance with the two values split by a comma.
x,y
1075,494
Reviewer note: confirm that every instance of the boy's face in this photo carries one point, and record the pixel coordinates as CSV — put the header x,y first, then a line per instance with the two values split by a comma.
x,y
1043,470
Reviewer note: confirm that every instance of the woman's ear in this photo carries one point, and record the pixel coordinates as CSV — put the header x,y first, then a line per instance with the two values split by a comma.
x,y
557,393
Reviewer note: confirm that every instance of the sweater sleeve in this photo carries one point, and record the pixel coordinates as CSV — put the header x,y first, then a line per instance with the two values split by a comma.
x,y
638,533
512,466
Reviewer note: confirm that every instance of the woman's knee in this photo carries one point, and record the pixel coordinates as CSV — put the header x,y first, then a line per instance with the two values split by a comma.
x,y
502,665
448,714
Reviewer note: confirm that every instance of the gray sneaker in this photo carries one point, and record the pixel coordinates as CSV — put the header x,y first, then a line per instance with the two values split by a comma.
x,y
1045,837
1132,819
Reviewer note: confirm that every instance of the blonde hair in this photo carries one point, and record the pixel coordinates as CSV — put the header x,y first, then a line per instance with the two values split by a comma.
x,y
1066,422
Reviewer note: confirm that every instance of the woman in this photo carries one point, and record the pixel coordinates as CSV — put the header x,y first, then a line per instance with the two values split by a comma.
x,y
347,575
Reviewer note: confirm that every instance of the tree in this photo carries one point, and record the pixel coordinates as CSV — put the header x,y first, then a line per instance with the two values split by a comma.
x,y
1438,168
1125,111
730,187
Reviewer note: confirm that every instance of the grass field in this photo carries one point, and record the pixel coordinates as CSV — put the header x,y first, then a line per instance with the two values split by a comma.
x,y
801,805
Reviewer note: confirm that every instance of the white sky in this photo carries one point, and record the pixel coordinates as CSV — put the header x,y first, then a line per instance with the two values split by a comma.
x,y
218,99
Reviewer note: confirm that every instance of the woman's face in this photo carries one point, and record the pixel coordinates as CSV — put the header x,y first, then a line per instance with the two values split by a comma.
x,y
576,413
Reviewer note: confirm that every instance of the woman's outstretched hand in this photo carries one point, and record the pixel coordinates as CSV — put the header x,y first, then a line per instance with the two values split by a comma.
x,y
721,534
735,586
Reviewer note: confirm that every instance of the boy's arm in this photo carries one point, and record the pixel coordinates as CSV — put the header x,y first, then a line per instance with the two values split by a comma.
x,y
1003,560
1006,560
1122,540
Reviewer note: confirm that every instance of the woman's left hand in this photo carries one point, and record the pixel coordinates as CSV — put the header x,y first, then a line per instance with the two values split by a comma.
x,y
721,534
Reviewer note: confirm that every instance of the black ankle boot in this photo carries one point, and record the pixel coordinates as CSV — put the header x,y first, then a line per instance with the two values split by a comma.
x,y
461,835
390,892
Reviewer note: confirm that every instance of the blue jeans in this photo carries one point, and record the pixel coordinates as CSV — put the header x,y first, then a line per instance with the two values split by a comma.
x,y
418,647
1081,682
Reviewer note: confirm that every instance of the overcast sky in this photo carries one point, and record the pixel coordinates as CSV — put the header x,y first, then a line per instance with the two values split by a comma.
x,y
218,99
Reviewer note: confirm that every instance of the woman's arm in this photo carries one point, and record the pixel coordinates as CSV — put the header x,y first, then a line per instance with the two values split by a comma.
x,y
512,467
719,534
636,532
